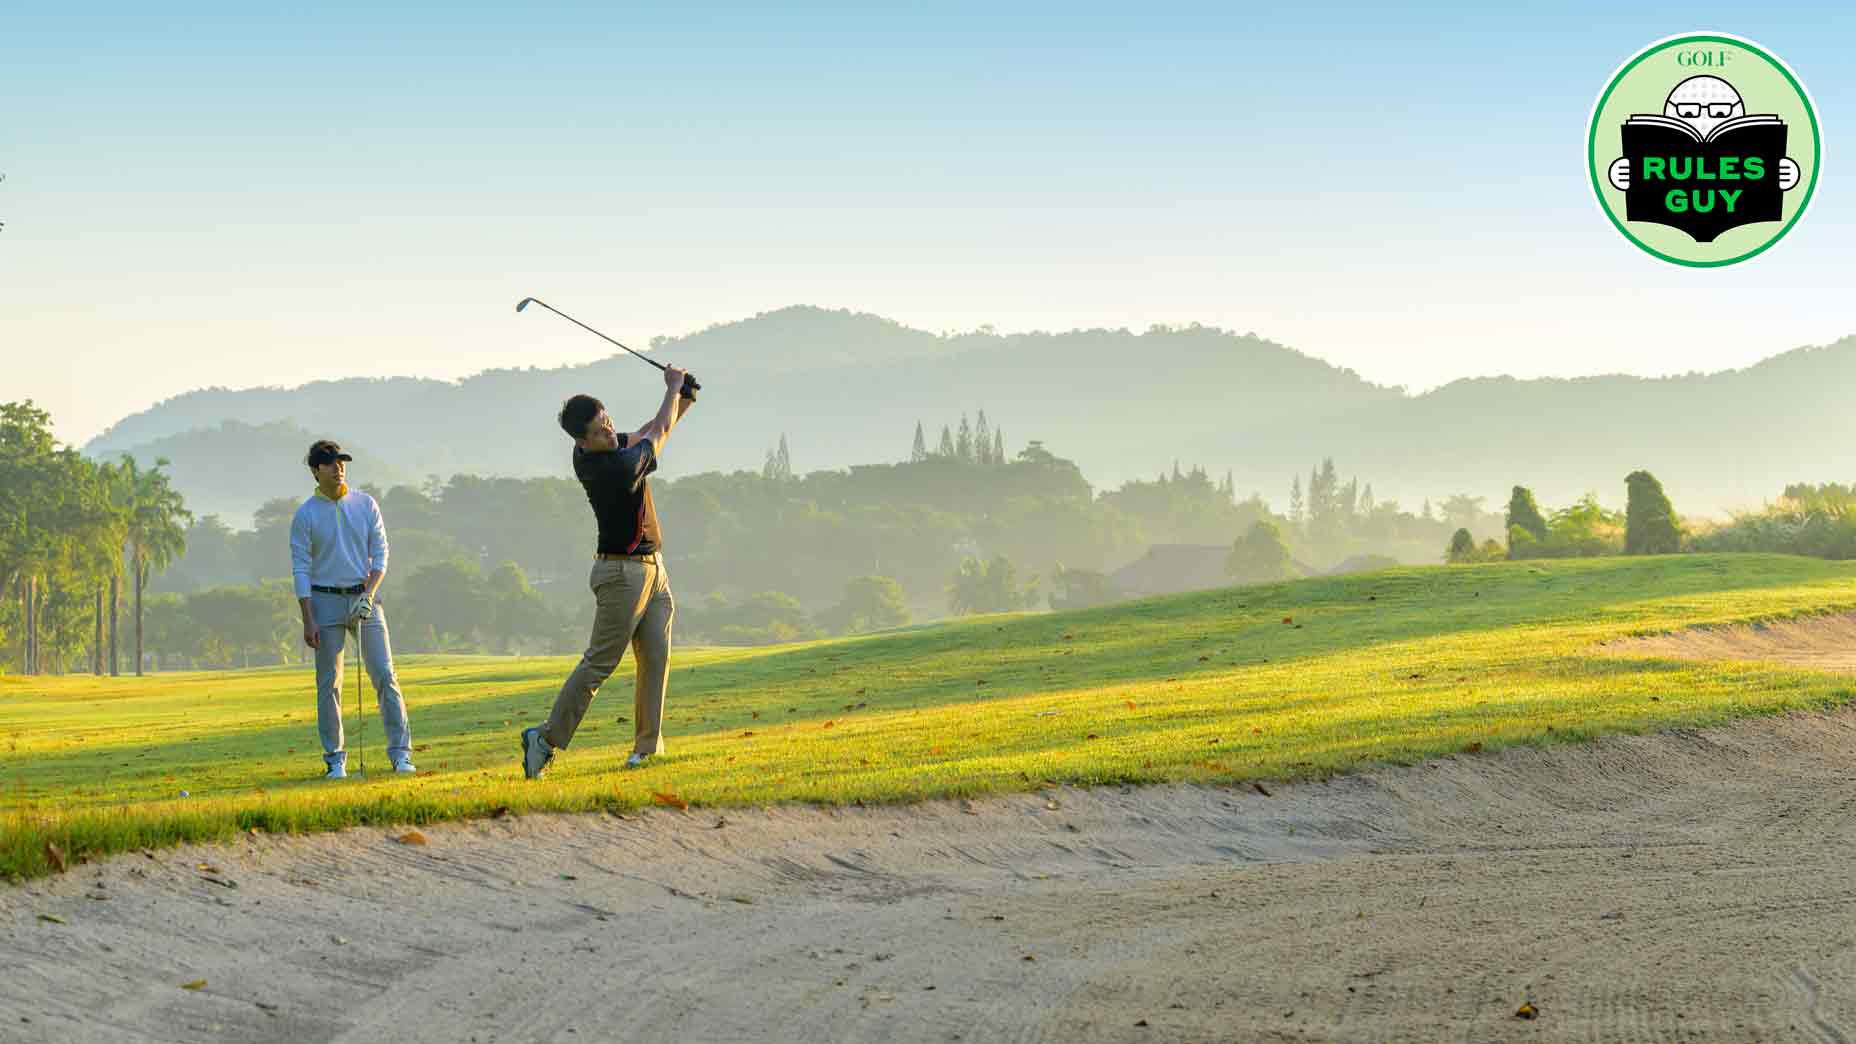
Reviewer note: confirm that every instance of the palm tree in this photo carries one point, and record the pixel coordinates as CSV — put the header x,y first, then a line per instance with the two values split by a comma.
x,y
156,530
91,530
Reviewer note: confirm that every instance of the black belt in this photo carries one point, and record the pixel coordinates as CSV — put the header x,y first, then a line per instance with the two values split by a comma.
x,y
355,590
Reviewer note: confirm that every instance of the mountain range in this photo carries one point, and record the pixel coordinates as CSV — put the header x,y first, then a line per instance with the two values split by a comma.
x,y
849,388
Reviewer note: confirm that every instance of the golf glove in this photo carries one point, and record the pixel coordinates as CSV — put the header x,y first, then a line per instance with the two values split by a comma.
x,y
362,609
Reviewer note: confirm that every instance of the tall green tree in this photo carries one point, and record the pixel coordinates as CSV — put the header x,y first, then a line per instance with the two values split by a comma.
x,y
1259,556
1080,589
1650,526
989,587
518,615
1462,547
1524,514
870,603
156,530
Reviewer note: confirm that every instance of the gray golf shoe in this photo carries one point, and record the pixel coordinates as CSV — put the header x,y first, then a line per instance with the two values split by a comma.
x,y
536,753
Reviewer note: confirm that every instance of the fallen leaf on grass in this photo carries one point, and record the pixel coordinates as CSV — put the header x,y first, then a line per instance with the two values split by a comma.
x,y
411,837
1527,1011
56,855
1473,748
670,800
1092,736
51,918
745,735
756,715
828,724
1288,619
1261,789
1130,704
499,811
197,984
937,750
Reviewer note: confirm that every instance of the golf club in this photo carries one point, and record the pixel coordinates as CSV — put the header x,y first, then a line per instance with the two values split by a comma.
x,y
360,708
689,380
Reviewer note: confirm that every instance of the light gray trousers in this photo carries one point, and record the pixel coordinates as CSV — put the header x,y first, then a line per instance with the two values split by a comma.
x,y
330,611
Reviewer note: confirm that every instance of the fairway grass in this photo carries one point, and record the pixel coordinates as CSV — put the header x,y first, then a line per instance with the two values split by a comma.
x,y
1284,681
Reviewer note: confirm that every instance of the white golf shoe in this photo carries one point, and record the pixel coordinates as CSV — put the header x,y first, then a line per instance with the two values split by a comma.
x,y
336,771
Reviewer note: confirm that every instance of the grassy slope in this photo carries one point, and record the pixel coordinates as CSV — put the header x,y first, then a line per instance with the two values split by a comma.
x,y
1213,686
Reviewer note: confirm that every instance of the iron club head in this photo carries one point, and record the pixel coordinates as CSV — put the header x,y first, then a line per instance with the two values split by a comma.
x,y
523,303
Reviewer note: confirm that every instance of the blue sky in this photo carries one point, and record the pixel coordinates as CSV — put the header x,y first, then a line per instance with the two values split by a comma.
x,y
221,195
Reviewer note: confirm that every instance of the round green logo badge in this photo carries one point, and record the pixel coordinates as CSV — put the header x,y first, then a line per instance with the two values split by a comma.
x,y
1704,149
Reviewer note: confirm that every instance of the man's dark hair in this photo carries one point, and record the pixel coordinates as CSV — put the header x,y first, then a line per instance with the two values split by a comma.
x,y
577,413
324,451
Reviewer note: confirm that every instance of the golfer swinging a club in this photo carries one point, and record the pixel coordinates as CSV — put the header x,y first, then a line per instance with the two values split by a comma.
x,y
338,556
631,593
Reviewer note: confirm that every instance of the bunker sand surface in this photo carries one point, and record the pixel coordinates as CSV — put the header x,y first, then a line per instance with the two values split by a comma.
x,y
1686,885
1825,642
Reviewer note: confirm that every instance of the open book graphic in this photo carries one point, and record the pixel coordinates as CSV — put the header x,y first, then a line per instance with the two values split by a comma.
x,y
1704,185
1716,134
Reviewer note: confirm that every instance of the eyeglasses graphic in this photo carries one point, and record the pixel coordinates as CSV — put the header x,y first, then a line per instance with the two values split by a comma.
x,y
1717,110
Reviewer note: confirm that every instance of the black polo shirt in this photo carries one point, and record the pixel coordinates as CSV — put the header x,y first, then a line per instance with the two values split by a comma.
x,y
615,485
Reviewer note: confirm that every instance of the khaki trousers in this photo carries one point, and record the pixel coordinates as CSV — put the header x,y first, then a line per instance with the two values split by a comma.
x,y
632,607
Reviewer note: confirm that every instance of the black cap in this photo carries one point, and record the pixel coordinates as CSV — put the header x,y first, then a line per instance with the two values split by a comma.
x,y
325,451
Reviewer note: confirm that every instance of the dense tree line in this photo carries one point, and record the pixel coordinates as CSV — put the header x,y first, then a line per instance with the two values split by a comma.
x,y
491,564
74,535
774,555
1648,525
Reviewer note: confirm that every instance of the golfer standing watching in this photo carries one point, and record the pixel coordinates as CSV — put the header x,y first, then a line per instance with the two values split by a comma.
x,y
631,593
338,556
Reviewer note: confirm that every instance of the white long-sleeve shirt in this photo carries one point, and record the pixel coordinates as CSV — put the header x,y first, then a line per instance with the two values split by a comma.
x,y
336,543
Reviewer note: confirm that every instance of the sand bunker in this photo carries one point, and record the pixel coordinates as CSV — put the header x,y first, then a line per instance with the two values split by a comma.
x,y
1826,643
1689,885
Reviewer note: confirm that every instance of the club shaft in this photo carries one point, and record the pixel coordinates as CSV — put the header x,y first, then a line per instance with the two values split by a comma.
x,y
590,330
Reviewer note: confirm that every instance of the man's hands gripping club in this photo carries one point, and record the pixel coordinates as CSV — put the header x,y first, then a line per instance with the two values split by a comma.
x,y
361,609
